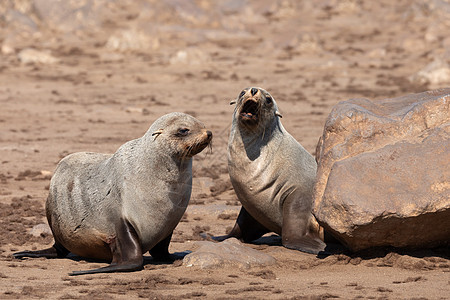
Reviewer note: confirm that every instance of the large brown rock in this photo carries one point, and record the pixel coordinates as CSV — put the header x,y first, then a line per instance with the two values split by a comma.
x,y
383,177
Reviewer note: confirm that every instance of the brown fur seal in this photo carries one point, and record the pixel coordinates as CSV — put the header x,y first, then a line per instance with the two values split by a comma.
x,y
116,207
272,175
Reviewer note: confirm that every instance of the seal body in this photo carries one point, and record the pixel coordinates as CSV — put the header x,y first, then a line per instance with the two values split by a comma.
x,y
118,206
272,175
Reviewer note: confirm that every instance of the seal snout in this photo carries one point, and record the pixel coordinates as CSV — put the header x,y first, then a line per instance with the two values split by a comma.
x,y
207,137
198,143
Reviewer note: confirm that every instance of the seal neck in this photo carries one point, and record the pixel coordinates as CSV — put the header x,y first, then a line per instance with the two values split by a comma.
x,y
140,158
169,167
255,141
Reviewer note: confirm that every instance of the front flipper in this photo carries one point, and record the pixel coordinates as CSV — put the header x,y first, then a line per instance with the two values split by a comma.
x,y
56,251
161,250
296,232
246,228
126,251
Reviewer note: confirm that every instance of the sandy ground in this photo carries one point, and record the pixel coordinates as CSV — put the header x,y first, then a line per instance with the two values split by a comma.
x,y
119,66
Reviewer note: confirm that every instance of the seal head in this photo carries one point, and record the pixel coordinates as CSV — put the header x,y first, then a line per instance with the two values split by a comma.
x,y
255,108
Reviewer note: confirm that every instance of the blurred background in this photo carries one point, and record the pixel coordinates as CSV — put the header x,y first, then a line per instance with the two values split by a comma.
x,y
95,73
360,48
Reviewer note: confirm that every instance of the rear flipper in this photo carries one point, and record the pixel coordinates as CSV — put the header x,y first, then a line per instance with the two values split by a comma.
x,y
306,243
112,268
126,251
56,251
160,251
297,232
246,228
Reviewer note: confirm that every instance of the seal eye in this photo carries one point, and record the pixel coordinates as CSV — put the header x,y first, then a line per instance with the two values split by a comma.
x,y
183,132
269,100
241,94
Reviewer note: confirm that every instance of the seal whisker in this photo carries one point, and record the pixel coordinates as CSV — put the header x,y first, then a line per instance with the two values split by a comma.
x,y
210,148
185,154
188,151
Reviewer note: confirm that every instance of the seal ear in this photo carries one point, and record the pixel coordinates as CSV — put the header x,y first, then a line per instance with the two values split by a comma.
x,y
277,113
157,133
233,101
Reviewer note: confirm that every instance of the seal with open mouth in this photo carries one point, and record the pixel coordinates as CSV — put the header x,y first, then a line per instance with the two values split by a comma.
x,y
118,206
272,175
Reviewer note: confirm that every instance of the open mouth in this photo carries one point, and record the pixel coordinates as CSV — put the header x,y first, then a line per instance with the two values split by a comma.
x,y
203,145
197,149
249,111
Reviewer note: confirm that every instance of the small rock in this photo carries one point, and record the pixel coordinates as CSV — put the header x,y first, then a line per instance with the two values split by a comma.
x,y
436,72
40,230
132,40
46,173
134,109
7,49
230,252
190,56
30,55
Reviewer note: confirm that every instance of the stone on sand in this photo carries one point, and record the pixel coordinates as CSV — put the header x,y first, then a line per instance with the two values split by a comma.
x,y
383,176
191,56
230,252
40,230
132,41
30,55
437,72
